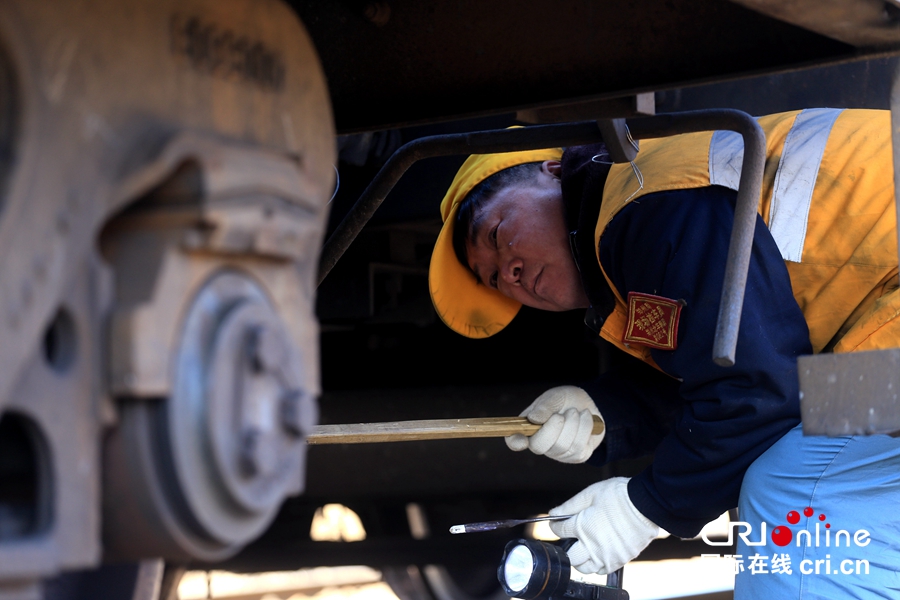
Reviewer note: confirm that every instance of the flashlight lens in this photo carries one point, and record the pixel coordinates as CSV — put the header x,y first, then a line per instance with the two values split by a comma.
x,y
518,568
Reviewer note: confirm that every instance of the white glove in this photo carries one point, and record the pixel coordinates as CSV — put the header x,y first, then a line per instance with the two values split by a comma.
x,y
610,530
566,413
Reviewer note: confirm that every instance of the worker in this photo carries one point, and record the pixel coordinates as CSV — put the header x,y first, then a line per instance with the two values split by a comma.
x,y
641,247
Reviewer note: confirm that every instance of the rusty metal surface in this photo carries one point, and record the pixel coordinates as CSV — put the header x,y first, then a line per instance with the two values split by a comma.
x,y
450,59
60,399
101,104
850,394
203,470
105,87
214,352
246,207
861,23
187,138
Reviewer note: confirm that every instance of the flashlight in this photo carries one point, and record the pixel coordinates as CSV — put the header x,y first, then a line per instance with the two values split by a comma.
x,y
536,570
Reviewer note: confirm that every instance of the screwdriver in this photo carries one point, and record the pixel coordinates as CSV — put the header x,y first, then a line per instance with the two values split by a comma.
x,y
503,524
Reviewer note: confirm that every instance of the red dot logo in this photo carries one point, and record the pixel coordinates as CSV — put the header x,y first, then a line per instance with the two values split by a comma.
x,y
793,517
822,516
782,536
808,511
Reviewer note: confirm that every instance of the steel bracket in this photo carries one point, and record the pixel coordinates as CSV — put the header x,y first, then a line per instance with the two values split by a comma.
x,y
621,147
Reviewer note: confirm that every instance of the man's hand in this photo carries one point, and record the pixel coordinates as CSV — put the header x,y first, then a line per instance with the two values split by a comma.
x,y
566,413
610,530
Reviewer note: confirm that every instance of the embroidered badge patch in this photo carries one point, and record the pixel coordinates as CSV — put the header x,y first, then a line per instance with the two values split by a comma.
x,y
652,321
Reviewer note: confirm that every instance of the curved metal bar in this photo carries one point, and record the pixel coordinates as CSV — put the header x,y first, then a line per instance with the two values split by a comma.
x,y
482,142
750,188
544,136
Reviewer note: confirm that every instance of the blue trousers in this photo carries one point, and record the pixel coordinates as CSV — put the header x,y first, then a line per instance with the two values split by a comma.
x,y
832,513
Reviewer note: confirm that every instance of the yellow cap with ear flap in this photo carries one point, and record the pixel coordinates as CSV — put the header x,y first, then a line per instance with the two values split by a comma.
x,y
467,307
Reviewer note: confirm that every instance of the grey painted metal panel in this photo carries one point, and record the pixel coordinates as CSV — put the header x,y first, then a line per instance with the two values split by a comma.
x,y
850,394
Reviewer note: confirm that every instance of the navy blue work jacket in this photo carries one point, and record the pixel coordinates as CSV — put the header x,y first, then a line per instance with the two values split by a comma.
x,y
706,424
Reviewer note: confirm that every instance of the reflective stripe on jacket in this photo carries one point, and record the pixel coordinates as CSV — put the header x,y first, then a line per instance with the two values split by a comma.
x,y
827,199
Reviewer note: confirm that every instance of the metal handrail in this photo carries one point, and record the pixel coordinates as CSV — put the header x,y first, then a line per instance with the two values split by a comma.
x,y
749,189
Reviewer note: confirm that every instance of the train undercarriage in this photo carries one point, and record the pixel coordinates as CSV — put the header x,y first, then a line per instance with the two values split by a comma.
x,y
169,173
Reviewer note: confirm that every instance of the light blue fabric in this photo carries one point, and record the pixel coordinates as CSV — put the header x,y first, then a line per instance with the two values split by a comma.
x,y
855,483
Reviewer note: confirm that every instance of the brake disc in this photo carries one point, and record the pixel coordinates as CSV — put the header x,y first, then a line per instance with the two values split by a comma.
x,y
210,465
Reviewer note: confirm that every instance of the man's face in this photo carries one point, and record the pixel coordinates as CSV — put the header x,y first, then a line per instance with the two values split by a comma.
x,y
519,245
